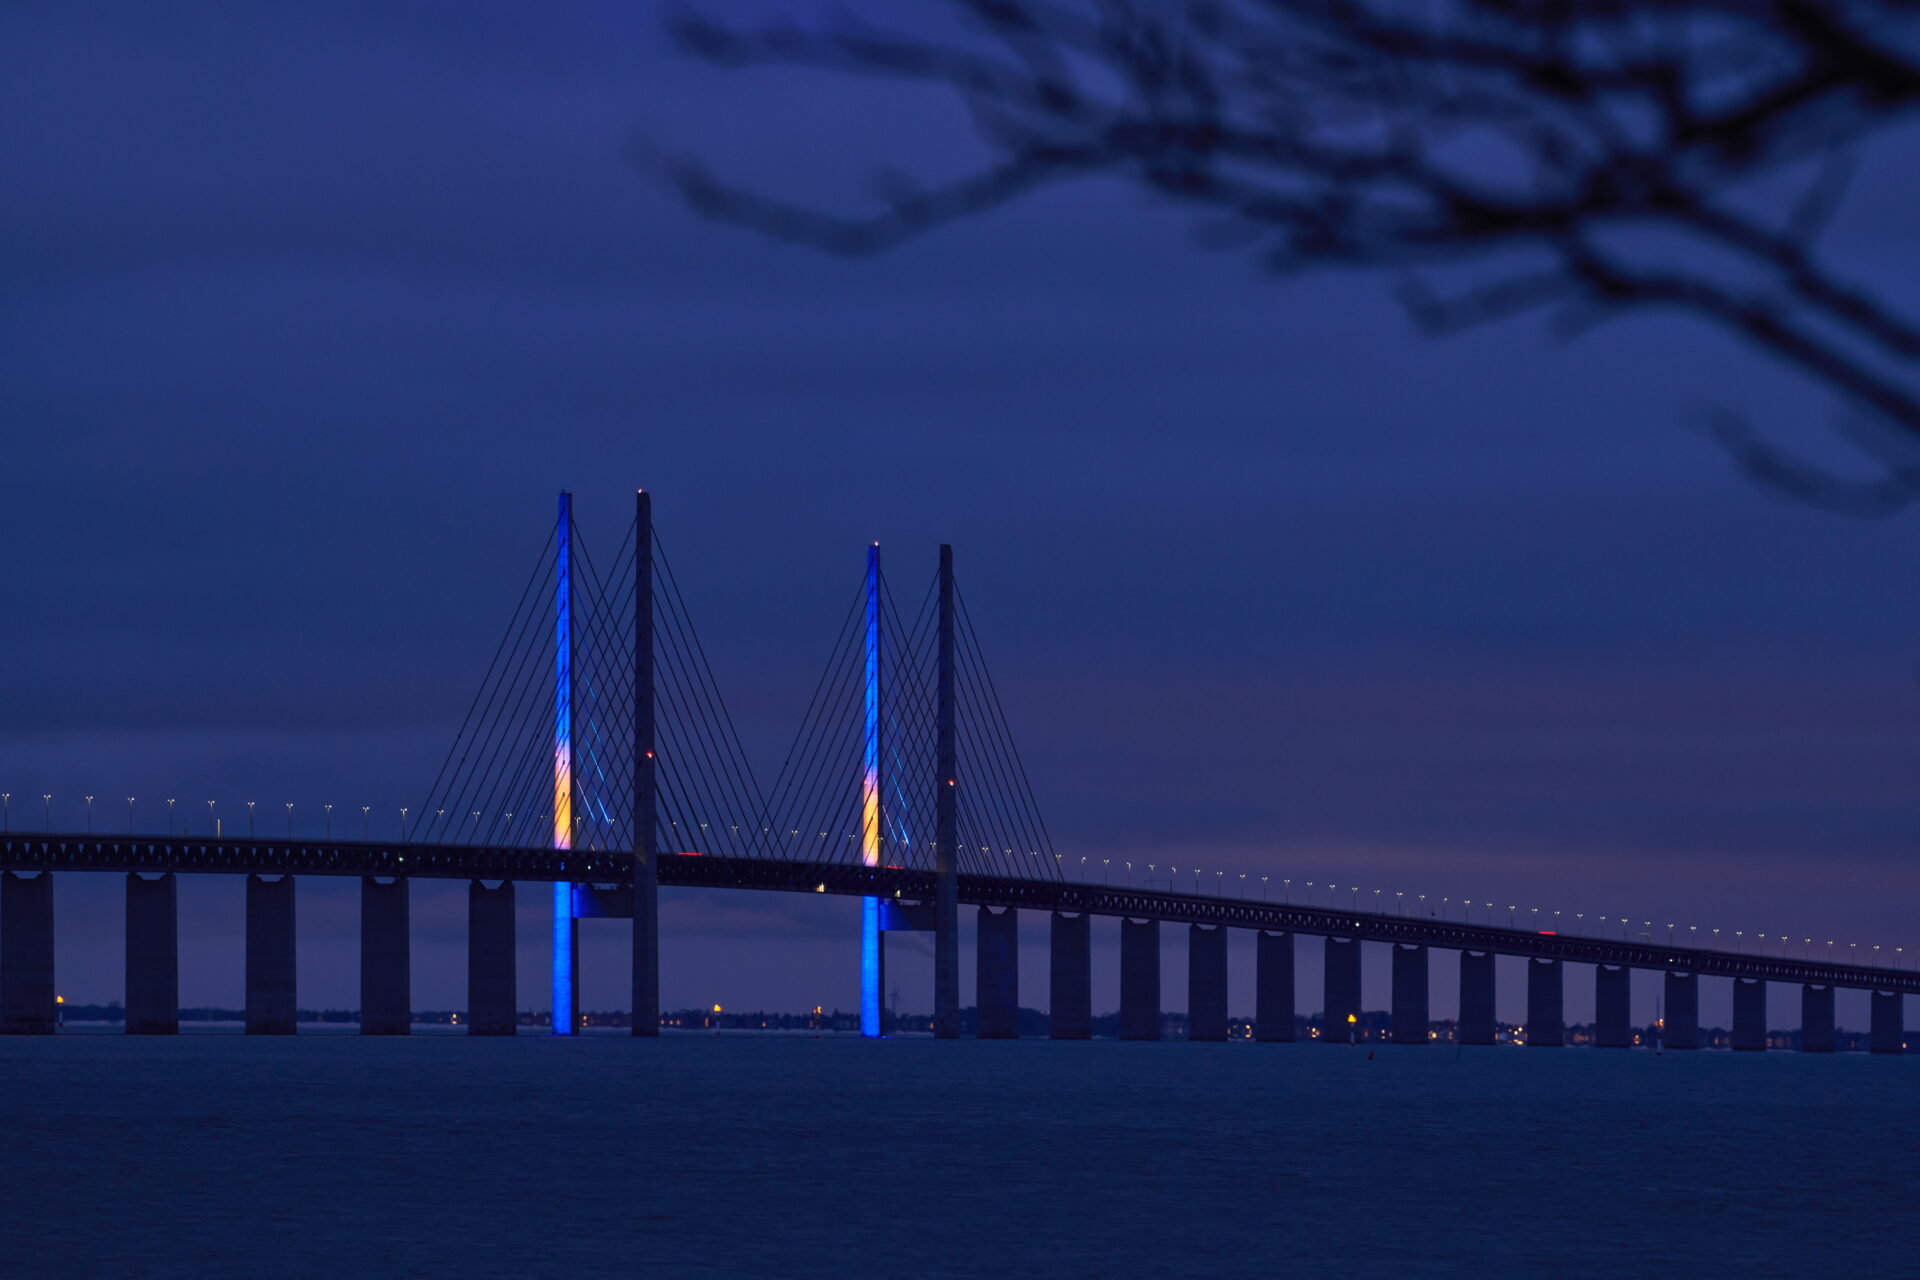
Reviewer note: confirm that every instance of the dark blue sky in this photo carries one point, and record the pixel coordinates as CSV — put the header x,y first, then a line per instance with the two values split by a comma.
x,y
306,314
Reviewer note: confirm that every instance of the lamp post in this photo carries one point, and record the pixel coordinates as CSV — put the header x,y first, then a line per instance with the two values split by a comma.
x,y
289,820
329,809
366,822
129,815
6,807
403,825
250,819
170,800
212,827
46,811
89,815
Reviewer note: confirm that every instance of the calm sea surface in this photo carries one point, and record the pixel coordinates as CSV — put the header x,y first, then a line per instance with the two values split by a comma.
x,y
218,1155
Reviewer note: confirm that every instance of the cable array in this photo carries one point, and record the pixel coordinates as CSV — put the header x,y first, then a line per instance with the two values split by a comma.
x,y
496,786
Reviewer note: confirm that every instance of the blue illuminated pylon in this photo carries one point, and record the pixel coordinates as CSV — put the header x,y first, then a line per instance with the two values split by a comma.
x,y
564,1017
872,976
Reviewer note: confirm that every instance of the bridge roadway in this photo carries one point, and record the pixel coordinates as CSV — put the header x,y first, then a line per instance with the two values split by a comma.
x,y
199,855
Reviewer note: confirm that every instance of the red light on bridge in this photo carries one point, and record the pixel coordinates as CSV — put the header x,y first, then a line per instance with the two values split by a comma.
x,y
1548,933
689,853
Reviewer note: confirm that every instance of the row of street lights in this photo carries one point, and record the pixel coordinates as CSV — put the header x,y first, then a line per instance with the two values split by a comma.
x,y
1401,906
1174,875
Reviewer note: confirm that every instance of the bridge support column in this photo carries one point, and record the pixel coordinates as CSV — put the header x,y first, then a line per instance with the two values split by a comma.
x,y
1411,1010
1749,1014
1070,1002
1139,979
386,984
997,975
1546,994
272,1005
1476,1025
1339,1019
946,808
1206,983
1612,1007
646,807
493,993
1682,1025
26,954
1885,1034
1816,1019
153,956
1273,983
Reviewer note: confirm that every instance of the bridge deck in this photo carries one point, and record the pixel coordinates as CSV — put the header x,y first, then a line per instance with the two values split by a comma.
x,y
187,854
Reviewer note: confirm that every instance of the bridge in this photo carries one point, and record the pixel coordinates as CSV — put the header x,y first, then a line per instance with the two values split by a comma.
x,y
599,749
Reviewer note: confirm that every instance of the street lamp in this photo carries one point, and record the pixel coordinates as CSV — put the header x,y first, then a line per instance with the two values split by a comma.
x,y
46,811
366,822
6,808
250,819
212,827
169,816
89,815
129,815
329,809
289,820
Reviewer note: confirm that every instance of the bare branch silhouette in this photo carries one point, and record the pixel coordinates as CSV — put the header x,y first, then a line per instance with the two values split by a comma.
x,y
1583,158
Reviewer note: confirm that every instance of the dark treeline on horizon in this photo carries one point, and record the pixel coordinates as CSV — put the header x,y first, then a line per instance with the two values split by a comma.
x,y
1374,1027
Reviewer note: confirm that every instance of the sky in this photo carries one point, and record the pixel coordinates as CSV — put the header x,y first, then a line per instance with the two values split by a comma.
x,y
307,313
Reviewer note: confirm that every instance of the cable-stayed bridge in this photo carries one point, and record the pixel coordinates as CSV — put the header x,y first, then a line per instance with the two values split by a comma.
x,y
600,762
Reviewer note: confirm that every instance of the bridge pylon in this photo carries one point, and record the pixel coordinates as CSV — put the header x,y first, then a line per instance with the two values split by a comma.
x,y
946,917
646,796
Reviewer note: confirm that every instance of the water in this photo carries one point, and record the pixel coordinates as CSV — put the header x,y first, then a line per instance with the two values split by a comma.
x,y
218,1155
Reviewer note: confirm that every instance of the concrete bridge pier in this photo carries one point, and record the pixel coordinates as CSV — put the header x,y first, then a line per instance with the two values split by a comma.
x,y
1342,1004
1139,979
386,985
493,995
272,1003
26,954
1816,1019
1884,1032
1750,1014
1546,995
1070,1002
1273,983
1682,1019
1206,982
1411,1014
996,955
1612,1007
1476,1025
153,956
